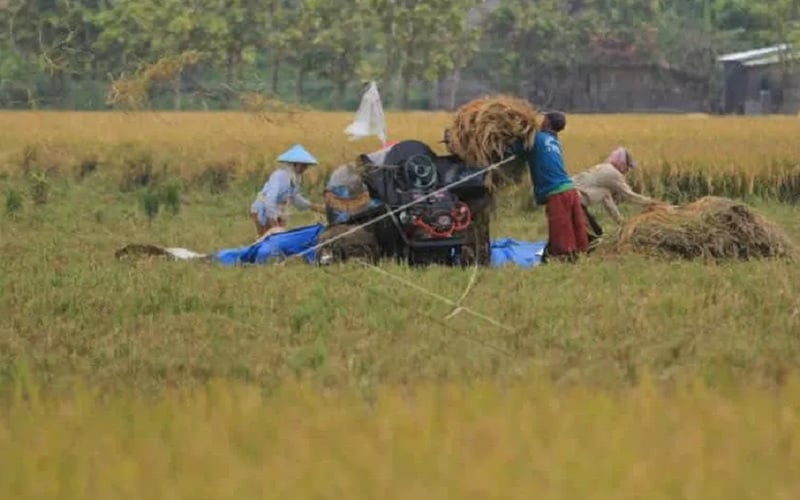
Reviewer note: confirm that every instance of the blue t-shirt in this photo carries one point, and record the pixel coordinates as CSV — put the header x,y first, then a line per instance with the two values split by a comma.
x,y
546,164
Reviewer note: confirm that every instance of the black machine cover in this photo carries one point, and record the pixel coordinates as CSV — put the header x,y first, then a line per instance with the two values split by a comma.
x,y
406,167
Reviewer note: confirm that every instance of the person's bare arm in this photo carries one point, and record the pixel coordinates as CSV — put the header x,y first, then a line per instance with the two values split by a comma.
x,y
620,187
612,209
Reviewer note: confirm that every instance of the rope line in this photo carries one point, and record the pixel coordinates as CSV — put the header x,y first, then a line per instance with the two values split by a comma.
x,y
402,207
472,280
444,324
457,307
442,298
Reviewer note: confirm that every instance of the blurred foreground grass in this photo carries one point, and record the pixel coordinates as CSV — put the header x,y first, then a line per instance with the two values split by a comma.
x,y
448,441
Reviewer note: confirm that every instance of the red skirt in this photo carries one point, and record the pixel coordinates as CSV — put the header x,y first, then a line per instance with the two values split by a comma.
x,y
567,227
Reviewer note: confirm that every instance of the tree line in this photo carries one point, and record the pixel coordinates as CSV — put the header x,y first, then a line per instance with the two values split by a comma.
x,y
68,54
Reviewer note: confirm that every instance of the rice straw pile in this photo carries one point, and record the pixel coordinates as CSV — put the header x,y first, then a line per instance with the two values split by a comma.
x,y
347,205
710,228
484,128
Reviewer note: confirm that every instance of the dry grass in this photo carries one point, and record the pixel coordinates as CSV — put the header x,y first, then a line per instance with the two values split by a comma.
x,y
710,228
680,156
522,441
717,145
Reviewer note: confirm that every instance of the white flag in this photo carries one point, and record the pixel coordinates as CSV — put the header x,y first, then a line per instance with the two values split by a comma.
x,y
369,117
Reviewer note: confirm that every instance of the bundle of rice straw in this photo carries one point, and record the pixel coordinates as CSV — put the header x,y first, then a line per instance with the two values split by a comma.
x,y
347,205
485,127
710,228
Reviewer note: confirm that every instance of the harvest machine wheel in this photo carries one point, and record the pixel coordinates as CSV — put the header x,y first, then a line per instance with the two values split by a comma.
x,y
477,247
360,244
422,257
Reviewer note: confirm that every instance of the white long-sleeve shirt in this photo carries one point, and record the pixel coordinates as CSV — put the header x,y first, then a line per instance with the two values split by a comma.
x,y
280,189
601,183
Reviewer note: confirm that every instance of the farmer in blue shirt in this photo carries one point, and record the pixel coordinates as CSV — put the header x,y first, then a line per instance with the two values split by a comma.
x,y
552,187
282,188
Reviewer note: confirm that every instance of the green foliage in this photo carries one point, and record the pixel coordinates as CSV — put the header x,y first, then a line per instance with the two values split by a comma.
x,y
39,187
13,201
138,169
216,177
151,203
53,54
171,195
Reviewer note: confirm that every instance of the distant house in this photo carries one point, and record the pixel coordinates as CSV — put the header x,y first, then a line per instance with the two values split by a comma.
x,y
616,76
761,81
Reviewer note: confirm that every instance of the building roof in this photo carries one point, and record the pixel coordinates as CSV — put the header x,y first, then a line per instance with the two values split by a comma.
x,y
759,57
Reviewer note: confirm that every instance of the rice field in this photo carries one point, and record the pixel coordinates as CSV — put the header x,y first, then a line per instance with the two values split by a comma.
x,y
614,378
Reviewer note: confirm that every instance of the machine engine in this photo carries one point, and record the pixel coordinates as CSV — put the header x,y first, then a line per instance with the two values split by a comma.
x,y
423,217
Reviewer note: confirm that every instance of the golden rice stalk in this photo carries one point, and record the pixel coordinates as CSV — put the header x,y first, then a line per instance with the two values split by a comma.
x,y
484,128
260,103
264,107
133,93
350,206
168,68
710,228
128,93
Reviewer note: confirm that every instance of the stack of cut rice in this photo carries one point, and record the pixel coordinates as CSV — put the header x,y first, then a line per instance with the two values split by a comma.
x,y
710,228
484,129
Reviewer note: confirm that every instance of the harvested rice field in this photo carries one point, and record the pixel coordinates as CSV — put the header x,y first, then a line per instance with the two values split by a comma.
x,y
627,375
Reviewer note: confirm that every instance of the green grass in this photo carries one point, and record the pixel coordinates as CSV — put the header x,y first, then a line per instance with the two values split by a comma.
x,y
616,378
69,309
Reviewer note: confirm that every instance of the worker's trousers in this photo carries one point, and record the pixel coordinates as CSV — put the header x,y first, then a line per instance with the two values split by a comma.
x,y
567,230
263,229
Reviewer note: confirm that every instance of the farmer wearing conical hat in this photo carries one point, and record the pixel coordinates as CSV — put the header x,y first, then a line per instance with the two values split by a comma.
x,y
606,182
282,187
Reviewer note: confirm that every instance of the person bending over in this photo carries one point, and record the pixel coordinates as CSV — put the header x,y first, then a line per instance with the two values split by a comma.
x,y
282,188
605,182
552,187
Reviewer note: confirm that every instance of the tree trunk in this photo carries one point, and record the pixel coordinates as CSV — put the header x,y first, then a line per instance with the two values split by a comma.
x,y
176,89
298,86
454,87
405,87
276,72
58,87
341,88
229,69
229,64
434,103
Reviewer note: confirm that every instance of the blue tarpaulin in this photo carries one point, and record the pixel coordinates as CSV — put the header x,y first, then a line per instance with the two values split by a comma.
x,y
505,251
521,253
274,247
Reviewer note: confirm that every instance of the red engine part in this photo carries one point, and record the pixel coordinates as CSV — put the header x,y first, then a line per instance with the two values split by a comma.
x,y
461,216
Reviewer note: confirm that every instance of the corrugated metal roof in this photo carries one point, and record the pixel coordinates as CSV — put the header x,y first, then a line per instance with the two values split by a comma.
x,y
770,59
749,56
